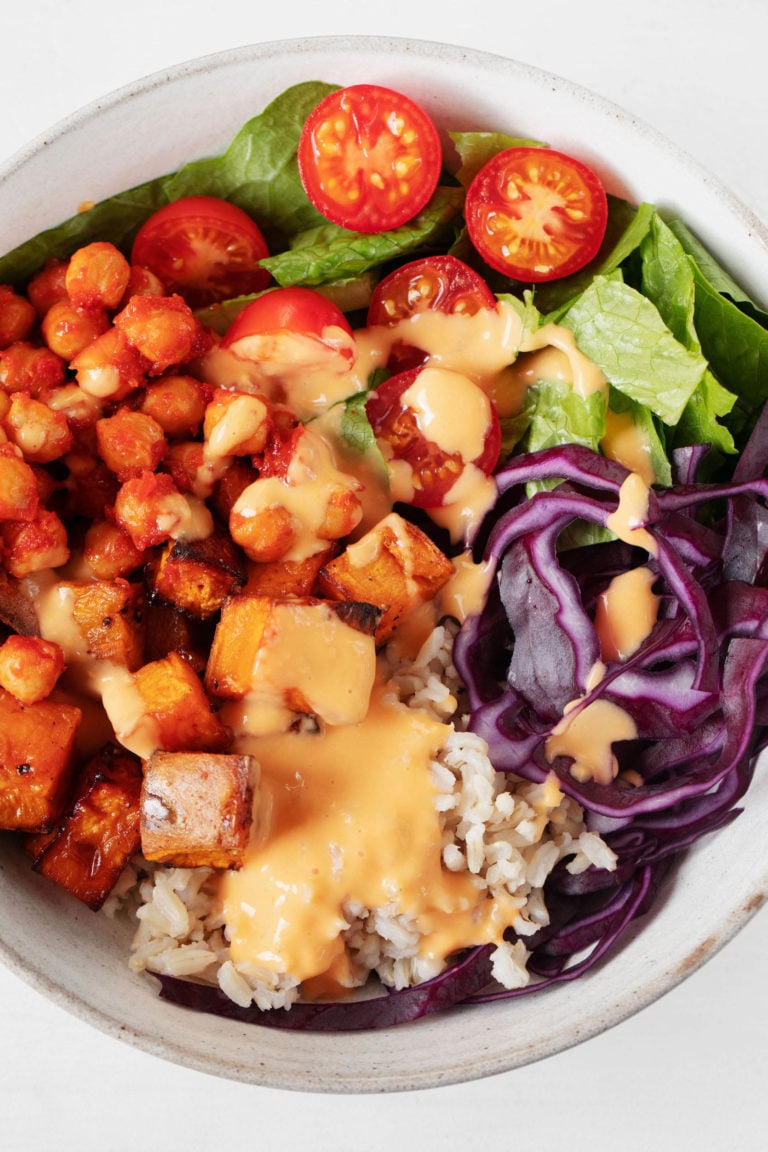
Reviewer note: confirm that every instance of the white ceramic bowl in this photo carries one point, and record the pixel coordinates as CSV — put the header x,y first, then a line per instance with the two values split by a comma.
x,y
78,958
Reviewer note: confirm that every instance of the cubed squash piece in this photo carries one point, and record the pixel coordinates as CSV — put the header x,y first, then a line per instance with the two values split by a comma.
x,y
100,831
110,617
196,808
283,578
312,657
37,743
395,566
171,630
174,698
199,575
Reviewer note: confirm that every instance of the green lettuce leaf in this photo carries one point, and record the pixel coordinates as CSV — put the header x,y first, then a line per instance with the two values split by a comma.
x,y
330,253
475,149
734,341
668,280
714,273
355,425
622,332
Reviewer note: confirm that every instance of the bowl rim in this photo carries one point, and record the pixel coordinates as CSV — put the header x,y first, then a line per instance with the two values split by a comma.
x,y
494,1061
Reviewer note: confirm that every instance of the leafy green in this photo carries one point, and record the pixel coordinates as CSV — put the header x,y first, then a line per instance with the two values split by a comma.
x,y
329,253
734,342
556,414
475,149
622,332
668,280
355,425
714,273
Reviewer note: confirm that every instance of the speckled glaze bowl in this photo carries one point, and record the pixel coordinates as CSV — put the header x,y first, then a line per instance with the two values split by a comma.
x,y
78,958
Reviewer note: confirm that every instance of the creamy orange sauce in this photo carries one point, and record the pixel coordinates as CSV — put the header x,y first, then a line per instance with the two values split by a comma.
x,y
465,593
450,410
466,504
631,514
185,517
308,660
109,686
572,365
625,442
348,816
586,734
626,612
479,346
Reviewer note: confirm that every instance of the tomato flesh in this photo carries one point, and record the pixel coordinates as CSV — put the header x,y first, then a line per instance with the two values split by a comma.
x,y
369,158
536,214
434,470
204,248
433,283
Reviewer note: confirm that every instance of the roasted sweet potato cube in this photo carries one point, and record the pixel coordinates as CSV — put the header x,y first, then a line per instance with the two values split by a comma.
x,y
37,744
279,654
175,699
110,616
196,808
171,630
395,566
99,833
199,575
283,578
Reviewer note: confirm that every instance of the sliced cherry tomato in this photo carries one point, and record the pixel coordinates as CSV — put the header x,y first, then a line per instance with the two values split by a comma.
x,y
369,158
434,470
296,310
433,283
204,248
536,214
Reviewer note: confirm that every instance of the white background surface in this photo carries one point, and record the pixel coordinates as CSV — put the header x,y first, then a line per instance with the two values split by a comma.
x,y
688,1072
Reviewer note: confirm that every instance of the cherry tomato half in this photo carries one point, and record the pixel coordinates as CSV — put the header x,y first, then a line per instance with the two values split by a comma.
x,y
434,469
536,214
204,248
296,310
433,283
369,158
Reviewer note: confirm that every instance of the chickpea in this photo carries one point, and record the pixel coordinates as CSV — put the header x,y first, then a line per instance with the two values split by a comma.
x,y
48,286
19,498
264,534
163,329
27,368
235,424
109,368
109,551
17,316
67,329
30,667
130,443
97,276
34,545
42,434
177,403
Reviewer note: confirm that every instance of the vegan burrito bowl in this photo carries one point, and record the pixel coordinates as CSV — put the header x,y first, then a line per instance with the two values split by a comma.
x,y
383,581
